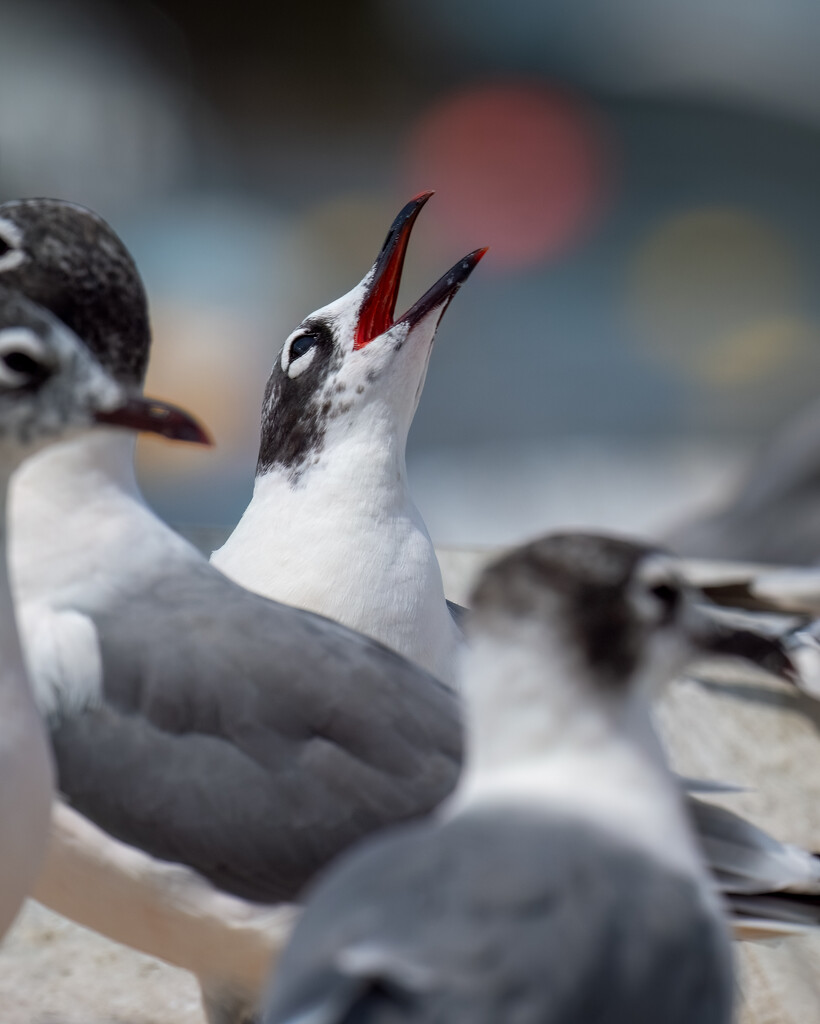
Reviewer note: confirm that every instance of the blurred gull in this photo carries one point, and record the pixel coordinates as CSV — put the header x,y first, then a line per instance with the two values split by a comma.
x,y
562,881
774,513
50,387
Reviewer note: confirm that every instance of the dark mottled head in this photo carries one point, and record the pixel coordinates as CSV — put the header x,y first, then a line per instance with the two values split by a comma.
x,y
51,384
350,368
602,597
617,609
67,259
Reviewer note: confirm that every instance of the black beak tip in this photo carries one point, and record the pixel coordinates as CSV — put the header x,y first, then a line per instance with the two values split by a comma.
x,y
192,433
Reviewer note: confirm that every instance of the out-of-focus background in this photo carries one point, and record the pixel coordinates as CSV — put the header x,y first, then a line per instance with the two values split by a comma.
x,y
646,173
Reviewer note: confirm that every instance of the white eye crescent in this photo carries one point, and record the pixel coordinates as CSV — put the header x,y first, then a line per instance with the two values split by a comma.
x,y
298,353
23,357
659,591
11,242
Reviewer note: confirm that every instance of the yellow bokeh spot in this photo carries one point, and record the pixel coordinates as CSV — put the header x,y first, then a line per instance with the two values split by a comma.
x,y
715,294
751,353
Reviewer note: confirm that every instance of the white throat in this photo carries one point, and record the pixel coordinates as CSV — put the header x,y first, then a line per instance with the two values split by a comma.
x,y
79,523
539,735
346,541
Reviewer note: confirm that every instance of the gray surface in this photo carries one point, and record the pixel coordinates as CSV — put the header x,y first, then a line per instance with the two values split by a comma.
x,y
504,916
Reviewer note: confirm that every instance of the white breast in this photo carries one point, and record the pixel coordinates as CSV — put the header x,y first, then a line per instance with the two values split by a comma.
x,y
360,556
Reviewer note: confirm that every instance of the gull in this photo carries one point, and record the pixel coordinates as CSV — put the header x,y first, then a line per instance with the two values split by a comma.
x,y
51,387
561,882
213,749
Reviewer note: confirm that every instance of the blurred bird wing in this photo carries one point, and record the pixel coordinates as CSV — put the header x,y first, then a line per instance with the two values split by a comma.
x,y
501,915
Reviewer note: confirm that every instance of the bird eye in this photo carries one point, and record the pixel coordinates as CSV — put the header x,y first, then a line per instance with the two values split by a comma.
x,y
300,353
668,596
665,593
22,363
304,343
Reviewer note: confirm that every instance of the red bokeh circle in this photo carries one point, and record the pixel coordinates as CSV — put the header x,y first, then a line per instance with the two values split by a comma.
x,y
521,168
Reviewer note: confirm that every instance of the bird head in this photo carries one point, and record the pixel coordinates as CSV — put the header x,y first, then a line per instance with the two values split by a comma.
x,y
68,260
610,612
353,368
52,386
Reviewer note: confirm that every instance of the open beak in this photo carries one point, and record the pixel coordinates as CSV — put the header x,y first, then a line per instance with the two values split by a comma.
x,y
150,416
713,636
378,308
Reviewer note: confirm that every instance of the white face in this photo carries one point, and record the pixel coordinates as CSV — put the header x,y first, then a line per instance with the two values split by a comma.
x,y
390,368
49,383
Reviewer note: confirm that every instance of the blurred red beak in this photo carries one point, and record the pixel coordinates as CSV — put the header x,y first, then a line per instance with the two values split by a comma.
x,y
150,416
379,305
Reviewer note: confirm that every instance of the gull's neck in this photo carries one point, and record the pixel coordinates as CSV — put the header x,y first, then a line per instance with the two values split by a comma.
x,y
78,519
530,697
365,476
540,735
98,462
345,540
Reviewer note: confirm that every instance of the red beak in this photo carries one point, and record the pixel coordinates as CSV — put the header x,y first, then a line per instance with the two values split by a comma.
x,y
379,305
151,416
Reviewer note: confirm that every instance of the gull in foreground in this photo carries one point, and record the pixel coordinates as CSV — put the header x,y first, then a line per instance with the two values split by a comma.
x,y
562,882
214,749
50,387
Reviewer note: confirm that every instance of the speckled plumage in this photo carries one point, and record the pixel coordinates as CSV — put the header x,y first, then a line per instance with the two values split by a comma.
x,y
296,411
591,575
76,266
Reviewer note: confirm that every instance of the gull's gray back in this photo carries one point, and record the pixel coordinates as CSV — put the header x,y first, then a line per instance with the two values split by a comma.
x,y
504,917
247,739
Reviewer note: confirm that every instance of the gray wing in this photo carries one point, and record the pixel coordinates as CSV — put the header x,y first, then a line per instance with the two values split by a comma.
x,y
773,515
501,917
459,614
745,860
249,740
